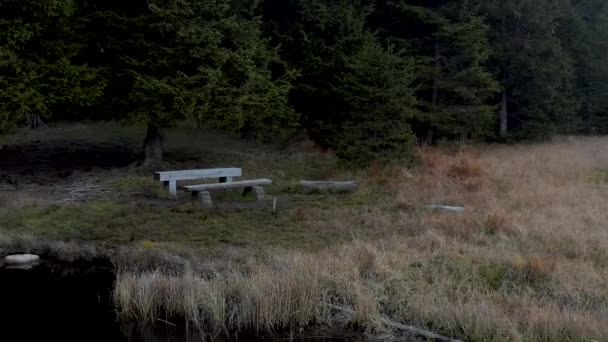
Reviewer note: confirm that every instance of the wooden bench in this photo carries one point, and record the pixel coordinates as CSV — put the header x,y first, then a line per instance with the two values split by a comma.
x,y
170,178
202,190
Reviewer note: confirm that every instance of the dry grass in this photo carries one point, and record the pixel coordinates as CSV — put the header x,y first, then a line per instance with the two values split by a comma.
x,y
525,262
290,291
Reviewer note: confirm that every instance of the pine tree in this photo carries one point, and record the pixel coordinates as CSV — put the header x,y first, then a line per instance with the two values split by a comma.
x,y
584,35
449,39
41,74
534,71
175,60
377,87
355,94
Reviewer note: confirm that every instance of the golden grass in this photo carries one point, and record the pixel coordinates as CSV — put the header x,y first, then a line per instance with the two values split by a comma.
x,y
527,261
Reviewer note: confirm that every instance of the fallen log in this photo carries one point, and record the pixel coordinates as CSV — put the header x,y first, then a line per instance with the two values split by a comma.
x,y
427,334
327,186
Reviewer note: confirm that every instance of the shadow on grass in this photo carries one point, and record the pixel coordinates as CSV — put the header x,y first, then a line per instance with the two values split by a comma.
x,y
43,162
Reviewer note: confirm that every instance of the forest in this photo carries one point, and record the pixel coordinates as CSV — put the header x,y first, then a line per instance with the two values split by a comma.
x,y
368,79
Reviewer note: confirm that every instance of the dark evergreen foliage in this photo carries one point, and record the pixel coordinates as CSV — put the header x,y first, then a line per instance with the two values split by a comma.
x,y
41,69
360,77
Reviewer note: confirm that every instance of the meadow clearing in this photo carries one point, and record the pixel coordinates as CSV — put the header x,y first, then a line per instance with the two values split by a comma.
x,y
526,261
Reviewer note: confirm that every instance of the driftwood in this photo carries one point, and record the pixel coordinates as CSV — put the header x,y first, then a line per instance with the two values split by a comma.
x,y
446,208
330,186
429,335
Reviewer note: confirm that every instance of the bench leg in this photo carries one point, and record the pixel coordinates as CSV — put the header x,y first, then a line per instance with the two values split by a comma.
x,y
172,186
259,193
205,198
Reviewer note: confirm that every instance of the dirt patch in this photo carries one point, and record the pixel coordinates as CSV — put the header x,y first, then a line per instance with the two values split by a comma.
x,y
44,163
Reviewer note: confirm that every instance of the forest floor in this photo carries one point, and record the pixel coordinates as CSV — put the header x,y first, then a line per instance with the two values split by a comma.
x,y
527,260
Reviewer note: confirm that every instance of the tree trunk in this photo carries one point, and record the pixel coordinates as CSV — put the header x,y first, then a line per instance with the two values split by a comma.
x,y
435,95
153,145
428,137
589,119
34,121
503,115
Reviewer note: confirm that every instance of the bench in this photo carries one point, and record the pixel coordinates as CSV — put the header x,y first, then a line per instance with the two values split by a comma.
x,y
202,190
170,178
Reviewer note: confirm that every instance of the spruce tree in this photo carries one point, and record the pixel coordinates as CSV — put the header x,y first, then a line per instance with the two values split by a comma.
x,y
41,70
377,89
174,60
584,35
449,40
355,93
534,71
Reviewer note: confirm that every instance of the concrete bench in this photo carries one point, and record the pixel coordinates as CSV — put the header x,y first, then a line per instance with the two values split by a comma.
x,y
202,190
170,178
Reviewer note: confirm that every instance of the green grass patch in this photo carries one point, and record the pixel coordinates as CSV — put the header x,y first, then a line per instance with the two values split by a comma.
x,y
186,224
598,176
137,209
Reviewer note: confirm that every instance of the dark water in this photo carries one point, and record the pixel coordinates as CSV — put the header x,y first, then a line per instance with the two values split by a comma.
x,y
60,302
55,302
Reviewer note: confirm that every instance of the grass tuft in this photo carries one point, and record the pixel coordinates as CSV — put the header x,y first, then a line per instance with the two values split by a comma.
x,y
465,167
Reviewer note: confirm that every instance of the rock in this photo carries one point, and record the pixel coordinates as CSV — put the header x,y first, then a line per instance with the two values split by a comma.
x,y
21,259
